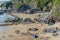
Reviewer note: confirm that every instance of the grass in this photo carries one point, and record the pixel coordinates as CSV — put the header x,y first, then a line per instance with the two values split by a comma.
x,y
17,5
57,2
58,14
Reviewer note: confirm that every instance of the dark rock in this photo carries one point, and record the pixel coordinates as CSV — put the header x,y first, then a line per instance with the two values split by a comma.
x,y
9,4
24,8
32,29
51,21
16,19
28,20
55,34
1,13
51,30
31,12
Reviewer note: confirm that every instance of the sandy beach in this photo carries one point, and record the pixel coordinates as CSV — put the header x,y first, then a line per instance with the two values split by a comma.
x,y
20,31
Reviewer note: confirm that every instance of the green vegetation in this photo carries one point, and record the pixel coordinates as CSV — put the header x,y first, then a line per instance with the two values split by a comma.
x,y
56,10
16,0
58,14
57,2
17,5
57,5
41,3
3,5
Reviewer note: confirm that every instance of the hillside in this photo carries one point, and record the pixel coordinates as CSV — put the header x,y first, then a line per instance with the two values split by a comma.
x,y
43,5
55,12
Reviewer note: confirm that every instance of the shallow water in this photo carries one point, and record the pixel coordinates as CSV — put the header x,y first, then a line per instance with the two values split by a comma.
x,y
3,28
4,17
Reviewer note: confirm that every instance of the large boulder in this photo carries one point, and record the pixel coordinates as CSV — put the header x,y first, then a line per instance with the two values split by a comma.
x,y
28,20
24,8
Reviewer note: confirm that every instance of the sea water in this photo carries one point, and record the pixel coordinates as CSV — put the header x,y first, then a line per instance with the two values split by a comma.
x,y
4,17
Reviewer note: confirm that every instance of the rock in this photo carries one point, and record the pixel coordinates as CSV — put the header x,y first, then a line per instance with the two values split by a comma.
x,y
24,8
27,33
55,34
32,29
51,21
1,12
17,19
17,31
51,30
28,20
